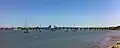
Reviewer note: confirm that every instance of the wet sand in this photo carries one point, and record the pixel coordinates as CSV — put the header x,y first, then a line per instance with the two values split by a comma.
x,y
114,39
110,41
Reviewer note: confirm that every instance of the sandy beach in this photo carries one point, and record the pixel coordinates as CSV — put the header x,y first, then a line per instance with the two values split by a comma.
x,y
114,40
110,41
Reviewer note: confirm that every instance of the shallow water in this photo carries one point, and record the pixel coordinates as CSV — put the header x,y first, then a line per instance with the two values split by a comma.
x,y
49,39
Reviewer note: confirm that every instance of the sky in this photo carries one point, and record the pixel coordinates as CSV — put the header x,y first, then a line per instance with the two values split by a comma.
x,y
59,12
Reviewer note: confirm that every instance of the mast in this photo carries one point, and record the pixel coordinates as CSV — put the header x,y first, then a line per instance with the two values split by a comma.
x,y
25,24
26,28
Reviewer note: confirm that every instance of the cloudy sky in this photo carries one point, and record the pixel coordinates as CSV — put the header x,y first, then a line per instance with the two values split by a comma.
x,y
58,12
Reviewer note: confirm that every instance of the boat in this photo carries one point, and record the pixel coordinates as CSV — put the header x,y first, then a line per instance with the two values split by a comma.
x,y
26,31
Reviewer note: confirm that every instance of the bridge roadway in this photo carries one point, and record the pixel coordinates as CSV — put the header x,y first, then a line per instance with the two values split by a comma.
x,y
67,28
59,28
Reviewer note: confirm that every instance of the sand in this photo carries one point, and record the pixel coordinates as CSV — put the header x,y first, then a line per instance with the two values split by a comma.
x,y
115,41
110,41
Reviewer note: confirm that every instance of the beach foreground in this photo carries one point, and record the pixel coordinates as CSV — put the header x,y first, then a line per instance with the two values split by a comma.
x,y
112,41
116,41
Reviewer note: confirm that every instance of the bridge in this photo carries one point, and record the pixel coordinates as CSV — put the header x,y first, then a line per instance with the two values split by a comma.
x,y
60,28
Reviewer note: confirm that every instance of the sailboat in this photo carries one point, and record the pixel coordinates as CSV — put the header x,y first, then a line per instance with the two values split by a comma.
x,y
26,29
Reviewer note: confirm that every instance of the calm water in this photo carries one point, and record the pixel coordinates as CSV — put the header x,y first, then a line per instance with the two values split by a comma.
x,y
49,39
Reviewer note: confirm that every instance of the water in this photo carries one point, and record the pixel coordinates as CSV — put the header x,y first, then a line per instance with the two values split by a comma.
x,y
49,39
